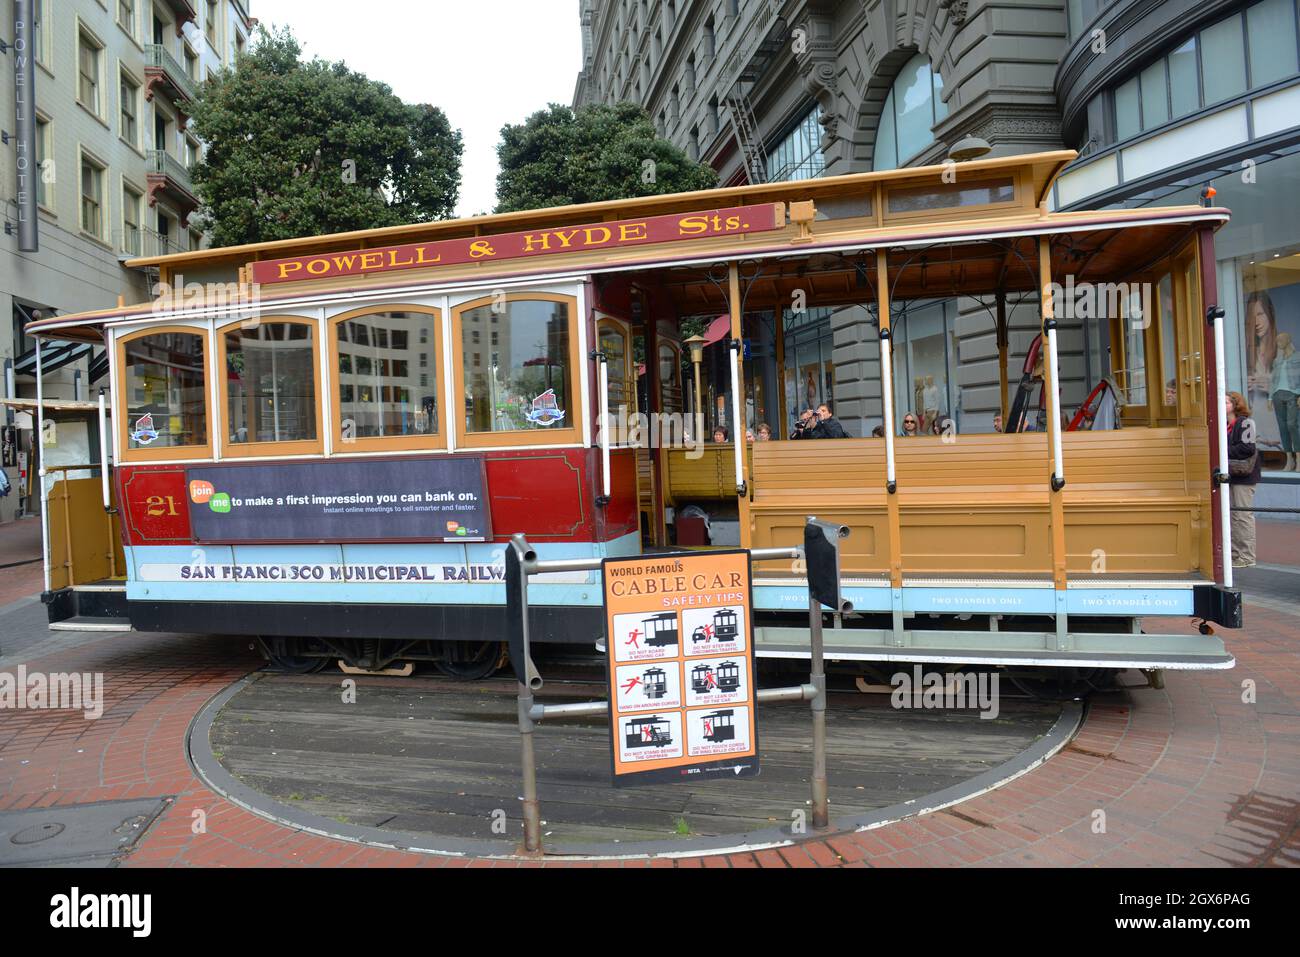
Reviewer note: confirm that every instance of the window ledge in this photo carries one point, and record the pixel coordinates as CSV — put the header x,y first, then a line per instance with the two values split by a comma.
x,y
98,119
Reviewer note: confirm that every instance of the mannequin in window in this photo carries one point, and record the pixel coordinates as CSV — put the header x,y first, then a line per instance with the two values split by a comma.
x,y
1286,399
930,405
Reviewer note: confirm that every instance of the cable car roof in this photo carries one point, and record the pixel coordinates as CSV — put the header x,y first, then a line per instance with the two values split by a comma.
x,y
821,255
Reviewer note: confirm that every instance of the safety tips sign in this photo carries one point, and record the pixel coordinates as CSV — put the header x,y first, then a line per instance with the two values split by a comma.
x,y
679,641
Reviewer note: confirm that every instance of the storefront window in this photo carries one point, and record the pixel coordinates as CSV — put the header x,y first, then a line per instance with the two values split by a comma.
x,y
921,362
809,367
1272,333
1258,254
519,380
271,383
166,405
387,379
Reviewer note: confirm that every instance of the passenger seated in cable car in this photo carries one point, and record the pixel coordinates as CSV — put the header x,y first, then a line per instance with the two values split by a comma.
x,y
720,435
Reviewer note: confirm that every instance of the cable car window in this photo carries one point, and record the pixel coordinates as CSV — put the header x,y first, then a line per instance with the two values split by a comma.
x,y
163,377
380,394
915,199
1135,347
271,383
1168,342
520,381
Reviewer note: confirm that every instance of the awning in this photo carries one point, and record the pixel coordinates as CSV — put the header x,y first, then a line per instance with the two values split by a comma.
x,y
718,330
55,405
55,356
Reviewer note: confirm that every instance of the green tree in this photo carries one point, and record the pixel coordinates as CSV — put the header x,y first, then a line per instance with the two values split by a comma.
x,y
300,148
560,156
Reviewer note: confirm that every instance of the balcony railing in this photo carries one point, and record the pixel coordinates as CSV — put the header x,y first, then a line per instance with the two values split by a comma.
x,y
161,64
168,174
138,242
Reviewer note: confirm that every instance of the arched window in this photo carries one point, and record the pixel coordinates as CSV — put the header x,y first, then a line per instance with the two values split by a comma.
x,y
162,397
912,108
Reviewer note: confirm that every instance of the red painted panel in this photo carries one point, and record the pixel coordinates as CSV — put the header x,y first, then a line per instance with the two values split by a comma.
x,y
621,512
542,494
155,509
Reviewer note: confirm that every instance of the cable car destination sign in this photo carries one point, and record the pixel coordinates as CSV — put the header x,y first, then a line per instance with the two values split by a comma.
x,y
702,224
680,648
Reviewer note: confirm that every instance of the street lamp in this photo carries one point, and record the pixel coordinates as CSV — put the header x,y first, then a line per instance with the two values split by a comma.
x,y
697,343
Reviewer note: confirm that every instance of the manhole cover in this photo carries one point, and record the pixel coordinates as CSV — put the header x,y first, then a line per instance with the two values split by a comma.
x,y
37,833
86,835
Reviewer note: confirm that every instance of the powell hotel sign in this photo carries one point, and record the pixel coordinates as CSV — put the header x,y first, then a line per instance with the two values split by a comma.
x,y
708,224
25,126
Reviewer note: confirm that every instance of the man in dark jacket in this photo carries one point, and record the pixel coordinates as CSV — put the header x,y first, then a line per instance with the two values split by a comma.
x,y
828,427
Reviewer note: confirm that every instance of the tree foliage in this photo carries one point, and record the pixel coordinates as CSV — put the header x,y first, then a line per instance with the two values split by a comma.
x,y
560,156
298,148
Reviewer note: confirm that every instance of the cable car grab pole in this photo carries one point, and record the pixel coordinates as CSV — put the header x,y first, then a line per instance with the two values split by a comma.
x,y
1215,316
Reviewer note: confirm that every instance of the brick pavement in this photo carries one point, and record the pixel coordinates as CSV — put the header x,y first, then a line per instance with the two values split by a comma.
x,y
1187,776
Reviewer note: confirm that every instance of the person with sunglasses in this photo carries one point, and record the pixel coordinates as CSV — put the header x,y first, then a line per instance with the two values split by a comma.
x,y
911,425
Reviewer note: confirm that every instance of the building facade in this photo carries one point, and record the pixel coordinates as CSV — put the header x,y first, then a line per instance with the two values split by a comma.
x,y
1160,98
112,83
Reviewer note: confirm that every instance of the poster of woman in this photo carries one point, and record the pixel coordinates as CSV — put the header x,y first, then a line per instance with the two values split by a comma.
x,y
1272,330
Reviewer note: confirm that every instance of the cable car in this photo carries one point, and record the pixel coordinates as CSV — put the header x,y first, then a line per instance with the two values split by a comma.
x,y
661,629
718,726
654,683
325,443
724,624
728,675
701,676
653,732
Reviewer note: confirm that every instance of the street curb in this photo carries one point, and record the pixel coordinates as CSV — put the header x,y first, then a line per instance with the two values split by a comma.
x,y
211,772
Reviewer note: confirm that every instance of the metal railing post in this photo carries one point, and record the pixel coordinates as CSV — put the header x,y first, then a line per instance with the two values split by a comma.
x,y
817,677
528,760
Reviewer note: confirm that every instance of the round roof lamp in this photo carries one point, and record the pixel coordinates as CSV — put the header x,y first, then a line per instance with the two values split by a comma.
x,y
969,148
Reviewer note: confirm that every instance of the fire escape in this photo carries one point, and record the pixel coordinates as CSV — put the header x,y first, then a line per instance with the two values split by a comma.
x,y
763,40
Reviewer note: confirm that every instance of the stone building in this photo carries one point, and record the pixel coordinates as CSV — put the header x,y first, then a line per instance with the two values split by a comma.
x,y
1160,97
112,80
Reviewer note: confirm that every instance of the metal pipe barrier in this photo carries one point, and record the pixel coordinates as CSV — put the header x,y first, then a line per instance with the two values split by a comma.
x,y
522,563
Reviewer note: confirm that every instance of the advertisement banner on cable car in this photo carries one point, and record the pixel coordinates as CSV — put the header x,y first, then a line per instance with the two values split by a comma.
x,y
679,640
440,499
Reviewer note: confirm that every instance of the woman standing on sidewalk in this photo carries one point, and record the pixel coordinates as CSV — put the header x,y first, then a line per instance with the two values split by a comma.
x,y
1243,468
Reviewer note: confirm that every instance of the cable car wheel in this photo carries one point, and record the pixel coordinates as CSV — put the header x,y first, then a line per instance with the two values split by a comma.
x,y
286,655
1061,684
471,660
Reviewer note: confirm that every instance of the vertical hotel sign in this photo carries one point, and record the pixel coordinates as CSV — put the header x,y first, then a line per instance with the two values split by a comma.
x,y
25,123
680,647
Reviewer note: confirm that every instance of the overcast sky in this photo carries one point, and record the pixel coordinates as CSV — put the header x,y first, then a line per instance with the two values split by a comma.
x,y
484,62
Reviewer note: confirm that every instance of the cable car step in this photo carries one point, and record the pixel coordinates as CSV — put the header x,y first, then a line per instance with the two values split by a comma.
x,y
90,623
